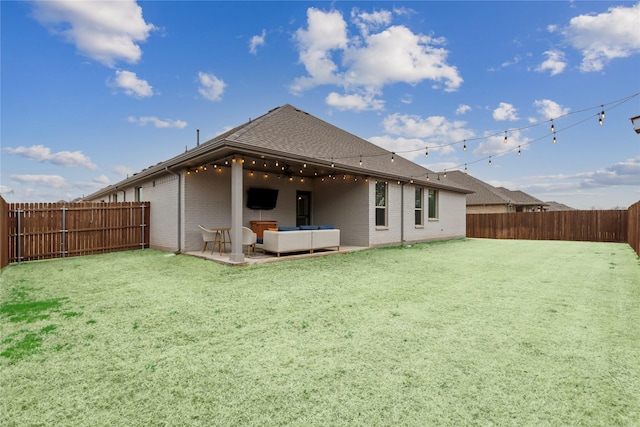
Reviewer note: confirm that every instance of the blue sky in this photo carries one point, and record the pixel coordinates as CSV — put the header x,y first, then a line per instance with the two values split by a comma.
x,y
93,91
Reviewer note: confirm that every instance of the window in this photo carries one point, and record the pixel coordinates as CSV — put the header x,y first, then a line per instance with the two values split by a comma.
x,y
433,204
418,207
381,204
138,194
114,197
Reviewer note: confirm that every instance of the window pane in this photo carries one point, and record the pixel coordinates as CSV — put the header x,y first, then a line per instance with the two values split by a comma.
x,y
381,217
381,194
418,217
433,204
418,198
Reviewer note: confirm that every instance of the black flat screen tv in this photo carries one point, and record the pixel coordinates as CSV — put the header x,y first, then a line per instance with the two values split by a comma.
x,y
262,198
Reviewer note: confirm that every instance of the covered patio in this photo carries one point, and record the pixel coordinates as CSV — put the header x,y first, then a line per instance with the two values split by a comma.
x,y
261,257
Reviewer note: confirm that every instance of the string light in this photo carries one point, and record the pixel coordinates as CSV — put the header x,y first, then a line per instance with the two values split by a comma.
x,y
276,163
426,154
490,163
505,136
554,139
392,157
553,128
465,168
465,146
360,160
519,152
333,165
445,173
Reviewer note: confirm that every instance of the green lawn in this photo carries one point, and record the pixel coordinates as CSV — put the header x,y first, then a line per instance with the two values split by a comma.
x,y
466,332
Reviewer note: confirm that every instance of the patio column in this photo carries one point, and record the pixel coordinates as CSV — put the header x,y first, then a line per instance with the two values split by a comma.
x,y
236,254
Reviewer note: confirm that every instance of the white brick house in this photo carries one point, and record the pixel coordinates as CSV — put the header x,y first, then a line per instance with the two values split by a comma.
x,y
323,175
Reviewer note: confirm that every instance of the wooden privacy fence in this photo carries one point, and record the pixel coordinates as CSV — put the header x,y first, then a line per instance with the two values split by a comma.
x,y
590,226
4,233
58,230
633,231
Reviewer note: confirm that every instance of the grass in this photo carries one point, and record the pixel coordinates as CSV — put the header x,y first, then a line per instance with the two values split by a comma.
x,y
466,332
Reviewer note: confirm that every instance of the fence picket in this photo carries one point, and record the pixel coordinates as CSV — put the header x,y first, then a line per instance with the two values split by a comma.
x,y
593,226
53,230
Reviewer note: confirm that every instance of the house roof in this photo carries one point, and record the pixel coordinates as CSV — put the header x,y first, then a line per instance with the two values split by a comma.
x,y
556,206
486,194
288,134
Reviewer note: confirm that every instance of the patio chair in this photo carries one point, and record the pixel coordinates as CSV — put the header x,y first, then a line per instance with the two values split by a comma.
x,y
249,238
208,236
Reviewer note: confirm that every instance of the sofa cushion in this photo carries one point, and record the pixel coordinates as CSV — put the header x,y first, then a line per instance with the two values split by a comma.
x,y
309,227
326,227
288,228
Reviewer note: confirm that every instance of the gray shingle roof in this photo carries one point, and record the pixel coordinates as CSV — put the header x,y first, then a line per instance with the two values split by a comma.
x,y
486,194
289,133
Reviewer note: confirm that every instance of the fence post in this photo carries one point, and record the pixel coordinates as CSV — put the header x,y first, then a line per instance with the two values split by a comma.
x,y
142,226
64,230
18,243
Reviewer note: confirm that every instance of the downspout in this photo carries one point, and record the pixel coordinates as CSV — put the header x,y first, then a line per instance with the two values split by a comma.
x,y
166,168
402,214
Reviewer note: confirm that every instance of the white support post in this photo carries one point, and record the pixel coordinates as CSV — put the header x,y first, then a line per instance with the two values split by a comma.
x,y
236,254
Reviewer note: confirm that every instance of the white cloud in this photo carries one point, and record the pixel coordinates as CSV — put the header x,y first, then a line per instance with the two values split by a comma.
x,y
106,31
370,21
355,102
549,109
622,173
131,84
495,145
330,56
505,112
143,121
102,180
407,99
606,36
555,62
53,181
41,153
5,190
413,132
211,87
122,170
462,109
326,32
409,148
257,41
590,189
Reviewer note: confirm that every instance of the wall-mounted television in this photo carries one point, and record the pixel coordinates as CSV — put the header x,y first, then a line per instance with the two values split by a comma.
x,y
262,198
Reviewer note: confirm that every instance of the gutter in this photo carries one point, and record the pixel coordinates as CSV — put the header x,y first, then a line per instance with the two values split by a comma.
x,y
179,206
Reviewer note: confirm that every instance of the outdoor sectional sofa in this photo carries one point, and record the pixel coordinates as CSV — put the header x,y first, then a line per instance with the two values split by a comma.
x,y
301,239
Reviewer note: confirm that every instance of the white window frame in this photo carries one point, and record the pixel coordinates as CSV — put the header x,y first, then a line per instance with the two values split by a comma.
x,y
433,201
382,207
419,210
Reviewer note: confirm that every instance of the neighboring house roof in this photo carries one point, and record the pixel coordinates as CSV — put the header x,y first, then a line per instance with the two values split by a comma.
x,y
555,206
288,134
486,194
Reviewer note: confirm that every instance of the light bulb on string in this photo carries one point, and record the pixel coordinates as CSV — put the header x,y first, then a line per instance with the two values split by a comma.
x,y
465,168
505,136
602,112
553,128
393,157
490,163
426,153
445,173
333,165
360,161
519,152
464,148
554,139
